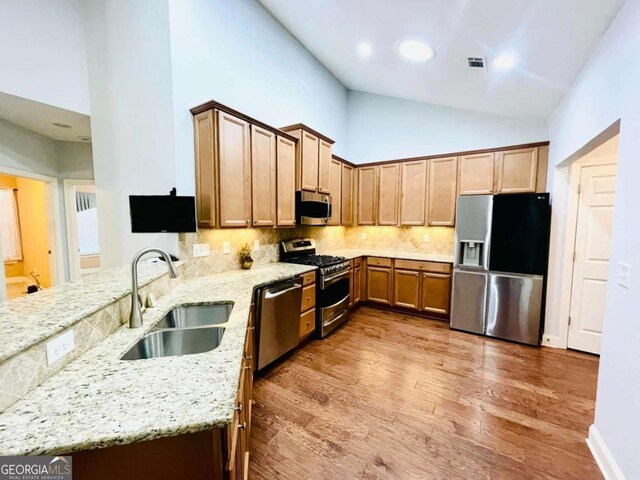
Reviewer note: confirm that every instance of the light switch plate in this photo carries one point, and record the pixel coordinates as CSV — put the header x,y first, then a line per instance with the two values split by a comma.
x,y
623,272
425,238
201,250
256,245
60,346
226,247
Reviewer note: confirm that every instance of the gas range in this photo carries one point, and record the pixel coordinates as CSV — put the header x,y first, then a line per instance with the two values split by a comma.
x,y
326,263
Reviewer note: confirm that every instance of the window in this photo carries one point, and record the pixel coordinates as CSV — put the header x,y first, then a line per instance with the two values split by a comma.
x,y
10,227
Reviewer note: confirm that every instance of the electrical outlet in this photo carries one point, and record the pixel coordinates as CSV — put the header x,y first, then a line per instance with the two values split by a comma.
x,y
363,236
624,274
60,346
201,250
226,247
256,245
425,238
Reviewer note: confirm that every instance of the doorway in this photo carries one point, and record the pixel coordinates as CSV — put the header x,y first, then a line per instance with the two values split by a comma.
x,y
24,235
595,178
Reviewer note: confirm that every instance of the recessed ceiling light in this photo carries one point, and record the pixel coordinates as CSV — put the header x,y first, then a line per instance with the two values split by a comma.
x,y
61,125
415,50
365,49
504,61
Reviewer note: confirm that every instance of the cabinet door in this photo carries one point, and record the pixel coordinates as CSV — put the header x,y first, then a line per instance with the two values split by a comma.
x,y
286,182
357,285
475,174
517,170
406,288
367,195
379,285
442,191
388,194
436,293
205,169
347,195
234,171
309,162
324,167
263,174
413,193
336,190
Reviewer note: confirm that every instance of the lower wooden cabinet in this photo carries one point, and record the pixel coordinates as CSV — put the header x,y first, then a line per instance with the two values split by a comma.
x,y
356,282
307,305
436,293
406,289
379,283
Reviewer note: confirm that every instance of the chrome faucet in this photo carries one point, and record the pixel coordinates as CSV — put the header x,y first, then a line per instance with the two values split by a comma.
x,y
135,319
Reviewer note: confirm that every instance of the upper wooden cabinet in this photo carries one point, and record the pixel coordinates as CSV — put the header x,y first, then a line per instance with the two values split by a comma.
x,y
413,192
347,194
314,154
476,174
263,168
206,186
335,185
367,199
443,173
286,182
388,193
517,170
234,171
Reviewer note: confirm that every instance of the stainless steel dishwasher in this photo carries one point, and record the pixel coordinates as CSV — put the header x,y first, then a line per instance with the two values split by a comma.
x,y
277,319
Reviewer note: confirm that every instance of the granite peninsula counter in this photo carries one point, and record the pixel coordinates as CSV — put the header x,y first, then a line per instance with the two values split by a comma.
x,y
99,400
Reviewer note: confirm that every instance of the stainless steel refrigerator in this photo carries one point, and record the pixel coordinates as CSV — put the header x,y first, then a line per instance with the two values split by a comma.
x,y
500,266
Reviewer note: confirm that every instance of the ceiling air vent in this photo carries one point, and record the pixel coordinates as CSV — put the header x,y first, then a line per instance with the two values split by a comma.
x,y
477,63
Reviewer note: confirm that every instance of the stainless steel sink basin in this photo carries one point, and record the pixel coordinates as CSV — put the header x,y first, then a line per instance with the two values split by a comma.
x,y
168,343
195,316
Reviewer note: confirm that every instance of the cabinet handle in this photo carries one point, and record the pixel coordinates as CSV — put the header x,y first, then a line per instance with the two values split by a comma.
x,y
238,408
242,425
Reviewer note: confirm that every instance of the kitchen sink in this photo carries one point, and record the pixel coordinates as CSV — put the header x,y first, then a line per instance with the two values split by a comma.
x,y
169,343
190,316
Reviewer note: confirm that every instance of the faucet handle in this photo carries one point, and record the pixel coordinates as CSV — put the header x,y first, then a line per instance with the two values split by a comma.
x,y
143,306
151,301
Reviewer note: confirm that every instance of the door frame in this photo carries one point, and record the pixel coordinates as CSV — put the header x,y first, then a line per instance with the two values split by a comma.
x,y
69,184
571,226
54,223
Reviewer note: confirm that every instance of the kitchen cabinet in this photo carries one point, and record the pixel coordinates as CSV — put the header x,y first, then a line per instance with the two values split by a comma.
x,y
357,285
406,288
388,194
517,170
263,174
347,194
206,187
476,174
367,195
436,293
324,167
335,186
234,171
442,191
413,193
424,286
309,161
286,182
307,305
379,281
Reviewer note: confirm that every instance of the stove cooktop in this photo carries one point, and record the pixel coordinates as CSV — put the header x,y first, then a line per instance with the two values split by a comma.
x,y
317,260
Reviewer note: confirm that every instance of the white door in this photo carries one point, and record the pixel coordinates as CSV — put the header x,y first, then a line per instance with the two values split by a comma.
x,y
592,248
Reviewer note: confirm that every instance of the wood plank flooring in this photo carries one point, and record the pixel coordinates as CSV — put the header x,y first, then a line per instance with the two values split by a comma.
x,y
393,396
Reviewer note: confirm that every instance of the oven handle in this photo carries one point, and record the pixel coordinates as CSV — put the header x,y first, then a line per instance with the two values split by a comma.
x,y
345,299
326,281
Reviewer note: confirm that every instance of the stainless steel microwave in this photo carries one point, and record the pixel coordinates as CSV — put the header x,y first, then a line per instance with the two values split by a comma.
x,y
312,208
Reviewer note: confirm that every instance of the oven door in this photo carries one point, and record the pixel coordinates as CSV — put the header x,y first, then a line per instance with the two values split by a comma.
x,y
333,301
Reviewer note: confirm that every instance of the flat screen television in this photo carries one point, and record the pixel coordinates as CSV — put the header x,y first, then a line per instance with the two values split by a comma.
x,y
162,213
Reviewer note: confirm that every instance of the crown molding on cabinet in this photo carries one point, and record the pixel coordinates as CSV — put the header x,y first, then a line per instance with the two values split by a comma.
x,y
302,126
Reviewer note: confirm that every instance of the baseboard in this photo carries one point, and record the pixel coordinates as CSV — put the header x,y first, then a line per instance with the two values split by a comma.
x,y
602,455
552,341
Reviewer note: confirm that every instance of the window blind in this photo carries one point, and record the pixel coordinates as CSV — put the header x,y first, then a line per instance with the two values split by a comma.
x,y
10,227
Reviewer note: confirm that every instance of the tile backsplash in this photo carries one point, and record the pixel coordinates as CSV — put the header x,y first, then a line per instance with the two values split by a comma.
x,y
411,239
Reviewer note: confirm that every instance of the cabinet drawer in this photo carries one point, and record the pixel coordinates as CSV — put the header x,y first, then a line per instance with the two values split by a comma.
x,y
308,297
308,278
307,322
379,262
357,261
423,266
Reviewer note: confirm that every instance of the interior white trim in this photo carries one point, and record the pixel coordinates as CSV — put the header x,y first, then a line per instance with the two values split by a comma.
x,y
69,187
602,456
553,341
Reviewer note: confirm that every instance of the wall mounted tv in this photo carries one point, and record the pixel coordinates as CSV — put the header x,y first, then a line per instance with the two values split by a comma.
x,y
162,213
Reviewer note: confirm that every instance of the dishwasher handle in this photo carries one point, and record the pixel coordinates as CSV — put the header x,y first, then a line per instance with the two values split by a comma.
x,y
281,290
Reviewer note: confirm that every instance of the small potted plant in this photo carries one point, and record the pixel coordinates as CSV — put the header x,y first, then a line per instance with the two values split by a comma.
x,y
245,257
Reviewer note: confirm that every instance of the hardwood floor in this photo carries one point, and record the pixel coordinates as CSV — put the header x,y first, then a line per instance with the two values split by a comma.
x,y
396,396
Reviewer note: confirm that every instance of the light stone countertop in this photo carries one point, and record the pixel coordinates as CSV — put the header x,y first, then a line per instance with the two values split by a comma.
x,y
401,254
99,400
27,320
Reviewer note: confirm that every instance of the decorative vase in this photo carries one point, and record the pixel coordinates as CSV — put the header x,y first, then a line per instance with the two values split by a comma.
x,y
247,264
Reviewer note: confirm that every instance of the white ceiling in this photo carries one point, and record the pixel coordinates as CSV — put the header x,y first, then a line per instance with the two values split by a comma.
x,y
39,117
551,38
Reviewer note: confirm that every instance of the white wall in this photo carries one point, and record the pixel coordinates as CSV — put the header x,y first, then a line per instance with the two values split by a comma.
x,y
235,52
43,52
129,61
607,90
384,128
